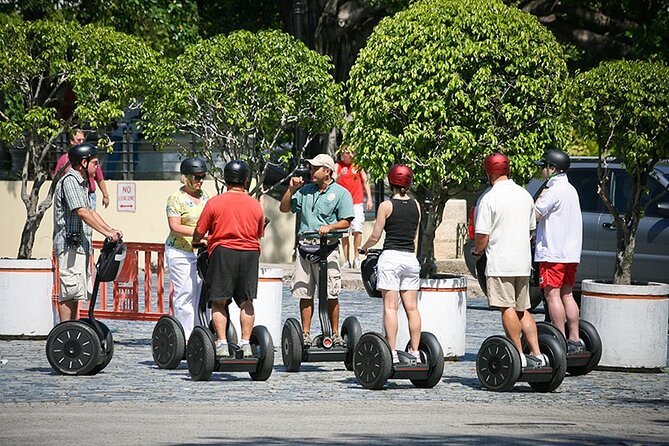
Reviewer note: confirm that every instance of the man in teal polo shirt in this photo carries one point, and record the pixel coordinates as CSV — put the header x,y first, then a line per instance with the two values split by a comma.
x,y
323,206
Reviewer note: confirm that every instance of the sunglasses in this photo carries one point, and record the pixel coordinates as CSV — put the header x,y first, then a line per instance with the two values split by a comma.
x,y
197,177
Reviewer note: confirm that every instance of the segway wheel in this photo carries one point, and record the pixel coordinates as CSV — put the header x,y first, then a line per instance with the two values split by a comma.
x,y
498,364
168,343
201,355
263,347
350,332
372,361
434,356
548,329
593,344
107,349
557,358
73,348
291,345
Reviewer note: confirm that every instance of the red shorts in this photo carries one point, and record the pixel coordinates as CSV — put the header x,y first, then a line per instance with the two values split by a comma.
x,y
555,275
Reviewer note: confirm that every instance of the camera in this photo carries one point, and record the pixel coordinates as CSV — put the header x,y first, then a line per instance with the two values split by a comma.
x,y
73,240
303,171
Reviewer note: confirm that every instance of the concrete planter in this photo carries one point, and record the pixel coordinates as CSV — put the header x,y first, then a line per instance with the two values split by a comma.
x,y
26,310
267,306
442,303
632,322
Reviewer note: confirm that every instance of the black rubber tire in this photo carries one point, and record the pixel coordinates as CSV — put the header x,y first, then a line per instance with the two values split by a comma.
x,y
73,348
107,350
372,361
557,358
291,345
201,354
263,347
168,343
350,332
593,343
498,365
434,355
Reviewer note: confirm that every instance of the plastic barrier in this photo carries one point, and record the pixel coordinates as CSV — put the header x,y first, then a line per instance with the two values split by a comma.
x,y
442,303
267,306
125,290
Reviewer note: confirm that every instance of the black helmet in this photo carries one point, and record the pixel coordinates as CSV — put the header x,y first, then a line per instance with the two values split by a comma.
x,y
191,166
80,152
236,172
556,158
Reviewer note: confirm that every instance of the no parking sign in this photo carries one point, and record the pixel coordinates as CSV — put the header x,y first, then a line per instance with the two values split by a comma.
x,y
126,194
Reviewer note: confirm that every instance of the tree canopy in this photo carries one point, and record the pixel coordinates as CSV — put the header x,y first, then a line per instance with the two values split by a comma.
x,y
57,75
624,106
446,82
242,96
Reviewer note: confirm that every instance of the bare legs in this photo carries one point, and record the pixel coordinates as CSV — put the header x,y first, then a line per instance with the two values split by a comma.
x,y
517,322
307,312
390,307
561,306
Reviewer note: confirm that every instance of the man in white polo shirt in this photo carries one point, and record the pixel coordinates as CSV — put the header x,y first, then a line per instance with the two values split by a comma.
x,y
558,244
504,221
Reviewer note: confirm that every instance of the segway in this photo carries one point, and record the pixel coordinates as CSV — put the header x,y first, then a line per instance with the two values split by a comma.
x,y
86,346
372,357
168,341
293,350
577,363
201,348
499,367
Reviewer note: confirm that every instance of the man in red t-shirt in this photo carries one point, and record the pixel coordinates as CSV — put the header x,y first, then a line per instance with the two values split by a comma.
x,y
234,222
354,179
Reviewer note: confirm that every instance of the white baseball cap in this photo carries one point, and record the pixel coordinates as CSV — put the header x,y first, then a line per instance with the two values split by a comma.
x,y
323,160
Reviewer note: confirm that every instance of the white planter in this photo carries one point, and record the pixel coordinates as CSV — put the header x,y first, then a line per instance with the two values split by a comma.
x,y
442,303
26,310
267,305
632,322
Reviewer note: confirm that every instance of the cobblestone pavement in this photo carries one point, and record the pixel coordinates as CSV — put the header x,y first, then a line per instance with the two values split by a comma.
x,y
27,382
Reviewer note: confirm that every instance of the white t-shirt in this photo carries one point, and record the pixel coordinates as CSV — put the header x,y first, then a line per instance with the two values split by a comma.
x,y
506,214
560,228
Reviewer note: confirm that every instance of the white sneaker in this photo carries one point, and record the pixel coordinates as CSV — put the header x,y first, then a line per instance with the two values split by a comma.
x,y
222,350
416,354
356,264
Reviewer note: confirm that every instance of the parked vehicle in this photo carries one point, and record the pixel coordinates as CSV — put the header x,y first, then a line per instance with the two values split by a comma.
x,y
651,258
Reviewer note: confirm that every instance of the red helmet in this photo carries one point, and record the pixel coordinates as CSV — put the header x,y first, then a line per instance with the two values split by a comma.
x,y
400,175
496,164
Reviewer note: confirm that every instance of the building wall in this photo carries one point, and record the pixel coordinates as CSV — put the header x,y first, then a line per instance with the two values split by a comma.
x,y
149,223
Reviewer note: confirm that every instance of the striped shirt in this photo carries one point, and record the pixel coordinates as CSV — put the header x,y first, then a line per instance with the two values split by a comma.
x,y
71,194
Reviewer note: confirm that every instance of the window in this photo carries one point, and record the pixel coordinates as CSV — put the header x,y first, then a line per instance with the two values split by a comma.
x,y
585,182
623,187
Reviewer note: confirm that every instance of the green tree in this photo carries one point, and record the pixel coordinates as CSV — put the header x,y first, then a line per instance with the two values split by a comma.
x,y
446,82
624,106
242,96
41,61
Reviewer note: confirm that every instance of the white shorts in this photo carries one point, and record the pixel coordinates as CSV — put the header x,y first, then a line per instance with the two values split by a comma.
x,y
358,219
397,271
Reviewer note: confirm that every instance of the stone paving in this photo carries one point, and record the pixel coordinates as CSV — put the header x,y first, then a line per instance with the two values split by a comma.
x,y
132,377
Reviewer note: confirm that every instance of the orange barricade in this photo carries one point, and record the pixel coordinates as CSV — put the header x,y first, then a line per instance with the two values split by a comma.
x,y
125,289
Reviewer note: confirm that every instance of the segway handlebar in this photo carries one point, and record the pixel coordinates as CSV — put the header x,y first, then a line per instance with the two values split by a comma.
x,y
337,233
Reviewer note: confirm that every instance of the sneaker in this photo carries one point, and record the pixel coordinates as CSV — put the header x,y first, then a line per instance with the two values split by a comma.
x,y
307,340
416,354
396,358
222,350
337,340
248,351
535,362
574,347
356,264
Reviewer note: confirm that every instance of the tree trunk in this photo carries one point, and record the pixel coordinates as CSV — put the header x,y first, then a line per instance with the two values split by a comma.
x,y
432,205
622,274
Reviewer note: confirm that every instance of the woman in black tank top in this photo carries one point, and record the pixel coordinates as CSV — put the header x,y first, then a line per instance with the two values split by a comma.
x,y
398,268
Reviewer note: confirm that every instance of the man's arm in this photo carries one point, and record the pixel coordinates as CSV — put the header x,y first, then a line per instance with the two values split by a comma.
x,y
293,186
368,190
480,244
95,221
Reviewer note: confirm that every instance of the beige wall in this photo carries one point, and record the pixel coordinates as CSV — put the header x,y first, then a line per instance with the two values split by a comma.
x,y
149,224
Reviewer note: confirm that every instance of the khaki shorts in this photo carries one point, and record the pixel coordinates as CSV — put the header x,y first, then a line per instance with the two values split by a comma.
x,y
305,278
509,292
75,281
